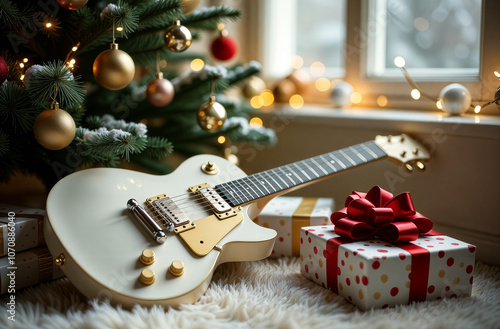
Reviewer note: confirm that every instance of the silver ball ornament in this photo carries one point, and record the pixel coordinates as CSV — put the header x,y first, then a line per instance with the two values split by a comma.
x,y
455,99
341,93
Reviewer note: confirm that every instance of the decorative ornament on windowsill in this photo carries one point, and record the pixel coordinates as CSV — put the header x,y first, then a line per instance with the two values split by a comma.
x,y
341,93
454,99
114,69
159,91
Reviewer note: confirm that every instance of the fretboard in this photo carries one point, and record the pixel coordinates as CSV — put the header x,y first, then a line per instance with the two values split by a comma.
x,y
272,181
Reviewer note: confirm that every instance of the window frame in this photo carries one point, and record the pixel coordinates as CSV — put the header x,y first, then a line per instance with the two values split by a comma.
x,y
395,88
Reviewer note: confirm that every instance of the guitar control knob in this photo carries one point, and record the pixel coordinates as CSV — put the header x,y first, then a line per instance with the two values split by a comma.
x,y
147,257
147,276
60,260
176,268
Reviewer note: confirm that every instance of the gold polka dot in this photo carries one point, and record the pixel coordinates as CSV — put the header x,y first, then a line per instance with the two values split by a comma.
x,y
361,294
282,222
350,267
311,262
408,267
376,296
456,280
301,257
466,295
310,257
265,225
384,278
320,263
341,287
441,273
462,264
408,284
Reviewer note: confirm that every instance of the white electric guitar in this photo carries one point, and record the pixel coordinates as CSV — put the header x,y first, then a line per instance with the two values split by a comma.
x,y
140,238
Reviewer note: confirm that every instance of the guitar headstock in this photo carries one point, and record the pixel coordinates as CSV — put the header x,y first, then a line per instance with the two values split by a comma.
x,y
404,150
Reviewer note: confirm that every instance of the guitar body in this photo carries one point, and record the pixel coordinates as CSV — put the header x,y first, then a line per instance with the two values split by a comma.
x,y
88,222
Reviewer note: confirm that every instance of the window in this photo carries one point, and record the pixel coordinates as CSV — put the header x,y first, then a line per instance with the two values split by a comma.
x,y
443,41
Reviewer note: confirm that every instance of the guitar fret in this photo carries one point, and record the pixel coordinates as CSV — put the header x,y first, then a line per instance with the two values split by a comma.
x,y
284,182
328,163
348,157
251,179
312,170
246,188
317,164
302,171
263,184
358,154
369,151
237,195
288,176
265,172
338,161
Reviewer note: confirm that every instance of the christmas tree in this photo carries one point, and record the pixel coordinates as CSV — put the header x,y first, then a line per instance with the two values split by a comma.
x,y
67,100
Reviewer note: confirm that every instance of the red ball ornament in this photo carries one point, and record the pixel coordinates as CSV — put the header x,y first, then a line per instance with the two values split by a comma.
x,y
72,4
4,70
224,48
159,91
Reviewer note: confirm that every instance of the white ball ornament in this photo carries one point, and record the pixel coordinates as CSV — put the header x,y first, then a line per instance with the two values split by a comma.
x,y
455,99
341,93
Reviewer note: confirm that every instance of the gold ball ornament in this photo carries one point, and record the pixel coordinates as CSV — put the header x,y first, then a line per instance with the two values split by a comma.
x,y
72,4
159,91
254,87
300,78
114,69
178,37
284,90
188,6
54,128
211,115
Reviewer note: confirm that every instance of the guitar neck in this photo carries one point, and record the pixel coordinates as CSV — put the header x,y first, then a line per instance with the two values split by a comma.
x,y
287,177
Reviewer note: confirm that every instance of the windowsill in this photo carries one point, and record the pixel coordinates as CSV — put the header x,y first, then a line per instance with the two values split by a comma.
x,y
482,126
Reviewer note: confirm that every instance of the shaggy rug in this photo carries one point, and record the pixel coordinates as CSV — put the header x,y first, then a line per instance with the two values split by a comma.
x,y
264,294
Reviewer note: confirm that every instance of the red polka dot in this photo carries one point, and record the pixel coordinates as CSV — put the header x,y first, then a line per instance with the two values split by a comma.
x,y
440,239
441,242
316,275
371,241
342,262
454,244
384,257
311,230
280,239
346,254
382,250
366,244
430,246
441,253
338,270
376,265
409,276
394,291
315,250
364,279
324,253
447,288
350,298
361,249
471,279
307,268
472,248
376,257
324,227
354,253
357,279
454,296
301,241
430,289
450,261
307,233
427,240
348,281
402,256
469,269
361,265
309,239
321,234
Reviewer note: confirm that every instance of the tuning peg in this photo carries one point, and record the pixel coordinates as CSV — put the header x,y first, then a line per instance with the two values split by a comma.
x,y
402,139
415,150
389,138
420,166
403,154
408,167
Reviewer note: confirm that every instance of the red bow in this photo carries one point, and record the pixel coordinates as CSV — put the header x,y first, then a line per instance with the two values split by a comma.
x,y
379,213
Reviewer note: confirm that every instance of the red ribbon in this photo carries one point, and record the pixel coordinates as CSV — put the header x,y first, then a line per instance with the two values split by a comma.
x,y
379,213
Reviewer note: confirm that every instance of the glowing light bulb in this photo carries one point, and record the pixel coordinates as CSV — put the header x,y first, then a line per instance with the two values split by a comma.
x,y
415,94
267,97
22,77
477,109
48,25
21,65
439,105
75,48
497,74
197,64
119,28
399,61
256,122
72,61
257,102
25,60
221,139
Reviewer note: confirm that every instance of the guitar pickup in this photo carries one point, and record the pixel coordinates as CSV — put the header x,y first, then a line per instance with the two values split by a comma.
x,y
221,208
165,209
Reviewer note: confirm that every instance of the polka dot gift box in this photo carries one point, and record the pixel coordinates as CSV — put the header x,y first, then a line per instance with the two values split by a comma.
x,y
409,262
286,215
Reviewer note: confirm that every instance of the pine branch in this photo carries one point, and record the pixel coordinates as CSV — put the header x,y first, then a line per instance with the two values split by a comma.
x,y
238,72
111,144
54,78
157,148
208,17
15,108
158,14
9,14
4,143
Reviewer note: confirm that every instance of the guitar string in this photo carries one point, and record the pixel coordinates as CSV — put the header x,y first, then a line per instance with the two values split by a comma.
x,y
302,165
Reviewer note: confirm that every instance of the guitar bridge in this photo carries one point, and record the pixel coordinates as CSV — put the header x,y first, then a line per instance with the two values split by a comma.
x,y
164,209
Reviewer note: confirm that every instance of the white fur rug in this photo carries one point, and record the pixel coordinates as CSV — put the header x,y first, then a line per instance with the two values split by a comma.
x,y
264,294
